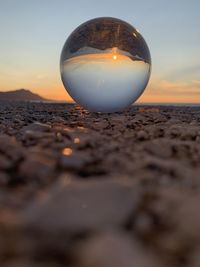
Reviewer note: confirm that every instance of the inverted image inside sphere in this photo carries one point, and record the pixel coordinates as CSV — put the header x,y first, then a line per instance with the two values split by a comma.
x,y
105,65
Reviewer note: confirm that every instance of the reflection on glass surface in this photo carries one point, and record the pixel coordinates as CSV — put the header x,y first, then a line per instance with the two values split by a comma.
x,y
105,65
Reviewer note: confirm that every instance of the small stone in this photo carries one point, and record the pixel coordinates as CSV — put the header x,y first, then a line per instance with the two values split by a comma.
x,y
81,206
159,148
190,133
177,213
57,119
59,137
29,134
118,119
75,161
142,135
10,148
188,218
38,127
37,168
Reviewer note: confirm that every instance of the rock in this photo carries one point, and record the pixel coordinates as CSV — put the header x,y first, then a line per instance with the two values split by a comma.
x,y
159,148
189,134
118,119
175,213
37,168
75,161
142,135
37,127
81,206
174,131
30,134
188,218
112,249
11,148
57,119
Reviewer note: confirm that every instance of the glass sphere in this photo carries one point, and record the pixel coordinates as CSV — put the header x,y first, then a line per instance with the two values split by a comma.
x,y
105,65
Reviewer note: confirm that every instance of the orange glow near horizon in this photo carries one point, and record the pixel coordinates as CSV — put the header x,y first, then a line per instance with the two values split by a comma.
x,y
155,92
49,85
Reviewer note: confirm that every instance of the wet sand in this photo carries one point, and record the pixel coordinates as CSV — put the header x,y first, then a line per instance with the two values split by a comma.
x,y
99,190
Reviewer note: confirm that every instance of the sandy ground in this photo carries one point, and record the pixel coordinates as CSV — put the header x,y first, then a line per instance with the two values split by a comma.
x,y
98,190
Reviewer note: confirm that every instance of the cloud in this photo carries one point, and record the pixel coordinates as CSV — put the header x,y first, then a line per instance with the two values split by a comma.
x,y
172,91
185,73
180,87
197,82
41,76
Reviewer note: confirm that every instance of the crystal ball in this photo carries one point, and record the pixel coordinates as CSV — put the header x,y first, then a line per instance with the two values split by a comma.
x,y
105,65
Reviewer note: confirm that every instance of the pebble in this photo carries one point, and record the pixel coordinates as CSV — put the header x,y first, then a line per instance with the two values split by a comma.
x,y
37,126
76,161
10,148
82,206
159,148
37,169
142,135
30,134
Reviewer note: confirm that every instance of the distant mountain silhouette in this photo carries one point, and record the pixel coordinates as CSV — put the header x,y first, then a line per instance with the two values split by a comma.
x,y
20,95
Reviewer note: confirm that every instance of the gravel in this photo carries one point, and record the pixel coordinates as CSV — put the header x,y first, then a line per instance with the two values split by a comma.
x,y
88,189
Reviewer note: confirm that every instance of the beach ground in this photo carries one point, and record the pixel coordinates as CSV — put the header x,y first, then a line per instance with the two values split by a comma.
x,y
81,189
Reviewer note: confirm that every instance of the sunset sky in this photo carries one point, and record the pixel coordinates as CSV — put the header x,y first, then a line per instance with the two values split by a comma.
x,y
33,33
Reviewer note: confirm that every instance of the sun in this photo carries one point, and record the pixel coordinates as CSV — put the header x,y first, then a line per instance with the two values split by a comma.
x,y
115,57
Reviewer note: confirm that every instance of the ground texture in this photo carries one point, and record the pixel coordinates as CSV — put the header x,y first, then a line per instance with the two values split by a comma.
x,y
99,190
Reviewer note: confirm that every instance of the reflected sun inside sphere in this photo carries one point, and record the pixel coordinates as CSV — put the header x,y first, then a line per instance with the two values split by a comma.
x,y
105,65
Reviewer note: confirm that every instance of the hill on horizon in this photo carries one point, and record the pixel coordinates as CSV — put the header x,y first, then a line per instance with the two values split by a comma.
x,y
20,95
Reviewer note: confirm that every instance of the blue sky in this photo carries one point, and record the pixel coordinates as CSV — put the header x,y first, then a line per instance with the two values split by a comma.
x,y
33,33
